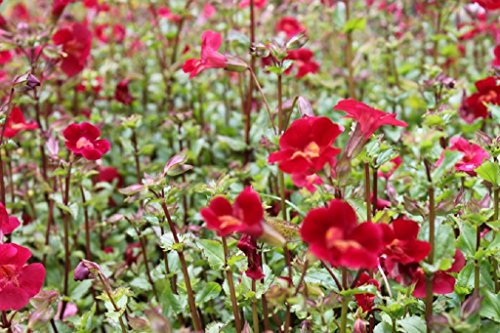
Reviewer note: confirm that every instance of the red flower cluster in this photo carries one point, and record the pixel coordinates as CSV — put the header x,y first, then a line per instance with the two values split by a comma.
x,y
303,59
244,216
76,41
16,123
366,301
474,106
83,139
290,26
18,282
334,235
210,56
473,157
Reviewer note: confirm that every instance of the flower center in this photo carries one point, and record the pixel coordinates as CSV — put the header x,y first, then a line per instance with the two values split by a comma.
x,y
310,152
7,275
83,142
489,97
228,221
335,239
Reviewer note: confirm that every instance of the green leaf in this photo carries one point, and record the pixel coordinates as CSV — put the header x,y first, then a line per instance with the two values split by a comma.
x,y
444,244
412,324
210,291
355,24
450,158
490,307
214,253
490,172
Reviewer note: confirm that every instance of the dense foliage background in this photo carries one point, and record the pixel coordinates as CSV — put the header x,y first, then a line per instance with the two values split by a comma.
x,y
355,145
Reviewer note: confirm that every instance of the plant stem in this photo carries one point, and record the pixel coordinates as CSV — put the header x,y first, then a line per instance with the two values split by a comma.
x,y
375,191
66,221
430,259
255,313
367,193
110,295
249,101
230,282
349,53
192,304
264,99
345,303
88,251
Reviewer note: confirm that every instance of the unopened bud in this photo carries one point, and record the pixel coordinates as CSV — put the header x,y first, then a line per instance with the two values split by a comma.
x,y
32,81
260,50
297,41
277,51
81,272
359,326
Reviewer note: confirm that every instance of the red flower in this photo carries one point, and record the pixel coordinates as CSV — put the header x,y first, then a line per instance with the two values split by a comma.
x,y
210,57
58,6
5,57
208,10
402,245
248,245
16,123
306,180
489,4
304,61
132,253
496,52
110,33
473,157
290,26
83,139
473,107
306,146
18,282
76,41
122,92
244,216
7,223
334,235
366,301
369,119
388,168
442,282
167,13
256,3
109,175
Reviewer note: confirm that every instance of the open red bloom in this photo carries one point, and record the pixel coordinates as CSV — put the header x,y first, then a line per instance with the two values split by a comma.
x,y
256,3
496,52
442,282
5,57
110,33
248,245
402,245
304,61
109,175
244,216
16,123
122,92
334,235
7,223
306,146
473,157
210,56
76,41
489,4
83,139
369,119
307,180
474,106
366,301
290,26
18,282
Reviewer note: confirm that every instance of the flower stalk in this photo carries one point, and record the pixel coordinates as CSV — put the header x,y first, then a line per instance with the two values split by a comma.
x,y
230,282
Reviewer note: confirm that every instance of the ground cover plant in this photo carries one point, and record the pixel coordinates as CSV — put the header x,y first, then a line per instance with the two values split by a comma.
x,y
249,166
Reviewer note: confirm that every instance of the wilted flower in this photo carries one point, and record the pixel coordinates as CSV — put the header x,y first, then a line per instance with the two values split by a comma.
x,y
248,245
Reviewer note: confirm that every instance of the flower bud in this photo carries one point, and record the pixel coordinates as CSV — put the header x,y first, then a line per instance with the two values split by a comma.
x,y
260,50
81,272
32,81
235,64
297,41
359,326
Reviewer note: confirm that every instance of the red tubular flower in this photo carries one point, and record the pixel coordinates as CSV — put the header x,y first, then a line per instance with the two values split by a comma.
x,y
5,57
122,92
248,245
369,119
244,216
442,282
474,106
489,4
366,301
306,146
256,3
334,235
83,139
307,180
110,33
304,61
18,282
290,26
76,41
402,245
16,123
388,168
210,57
7,223
473,157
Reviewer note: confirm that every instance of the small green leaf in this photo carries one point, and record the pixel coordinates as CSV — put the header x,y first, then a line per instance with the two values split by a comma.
x,y
490,172
212,250
210,291
450,158
355,24
412,324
